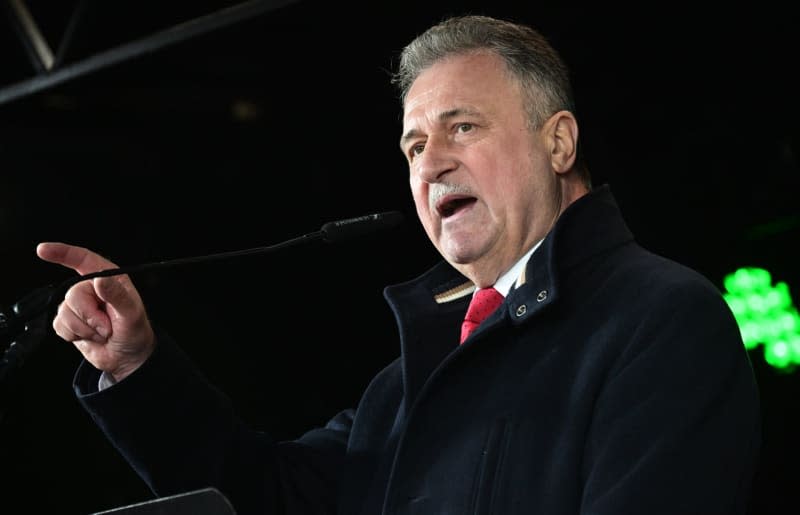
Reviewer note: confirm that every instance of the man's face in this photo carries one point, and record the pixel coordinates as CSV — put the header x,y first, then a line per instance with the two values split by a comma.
x,y
482,181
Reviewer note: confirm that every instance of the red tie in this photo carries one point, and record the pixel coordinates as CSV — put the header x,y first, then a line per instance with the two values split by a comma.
x,y
483,303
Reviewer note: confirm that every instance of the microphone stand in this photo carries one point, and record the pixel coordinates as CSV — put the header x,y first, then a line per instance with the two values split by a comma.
x,y
23,327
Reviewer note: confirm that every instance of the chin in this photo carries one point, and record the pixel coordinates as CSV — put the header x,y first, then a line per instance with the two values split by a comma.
x,y
460,254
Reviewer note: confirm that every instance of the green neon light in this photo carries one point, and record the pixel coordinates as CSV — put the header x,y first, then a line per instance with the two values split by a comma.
x,y
765,315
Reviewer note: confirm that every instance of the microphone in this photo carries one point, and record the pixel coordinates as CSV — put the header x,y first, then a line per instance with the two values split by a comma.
x,y
333,232
13,321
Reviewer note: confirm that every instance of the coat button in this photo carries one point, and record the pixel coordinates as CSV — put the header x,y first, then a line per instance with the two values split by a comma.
x,y
542,295
521,310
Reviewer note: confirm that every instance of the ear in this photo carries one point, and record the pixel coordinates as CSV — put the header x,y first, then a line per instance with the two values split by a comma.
x,y
562,134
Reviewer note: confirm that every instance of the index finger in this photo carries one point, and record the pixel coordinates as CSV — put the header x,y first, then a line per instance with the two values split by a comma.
x,y
80,259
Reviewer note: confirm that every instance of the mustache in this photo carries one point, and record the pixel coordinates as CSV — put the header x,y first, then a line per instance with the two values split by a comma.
x,y
440,189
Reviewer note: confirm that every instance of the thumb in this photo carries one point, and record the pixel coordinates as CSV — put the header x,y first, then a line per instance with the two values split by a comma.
x,y
119,294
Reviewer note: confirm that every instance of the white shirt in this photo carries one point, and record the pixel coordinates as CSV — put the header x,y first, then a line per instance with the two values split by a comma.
x,y
509,279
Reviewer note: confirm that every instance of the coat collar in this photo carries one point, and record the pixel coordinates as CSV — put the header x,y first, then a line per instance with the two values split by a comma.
x,y
589,226
429,309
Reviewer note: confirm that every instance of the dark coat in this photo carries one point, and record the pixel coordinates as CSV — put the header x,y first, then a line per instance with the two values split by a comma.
x,y
611,381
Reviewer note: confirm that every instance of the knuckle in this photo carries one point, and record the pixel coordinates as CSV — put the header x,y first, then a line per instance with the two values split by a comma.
x,y
71,294
61,312
75,327
64,333
75,311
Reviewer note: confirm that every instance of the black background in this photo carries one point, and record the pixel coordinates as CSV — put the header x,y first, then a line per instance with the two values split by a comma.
x,y
688,111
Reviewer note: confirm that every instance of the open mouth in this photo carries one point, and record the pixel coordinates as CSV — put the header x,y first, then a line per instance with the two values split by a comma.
x,y
448,206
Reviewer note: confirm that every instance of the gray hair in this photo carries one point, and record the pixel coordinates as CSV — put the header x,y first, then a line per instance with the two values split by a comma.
x,y
529,57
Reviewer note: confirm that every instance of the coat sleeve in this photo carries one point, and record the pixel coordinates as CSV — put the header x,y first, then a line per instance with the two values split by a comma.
x,y
676,428
179,434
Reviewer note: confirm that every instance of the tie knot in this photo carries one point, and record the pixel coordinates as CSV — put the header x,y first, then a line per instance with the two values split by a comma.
x,y
483,304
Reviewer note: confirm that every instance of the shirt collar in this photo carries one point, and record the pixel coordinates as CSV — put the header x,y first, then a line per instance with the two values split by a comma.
x,y
508,279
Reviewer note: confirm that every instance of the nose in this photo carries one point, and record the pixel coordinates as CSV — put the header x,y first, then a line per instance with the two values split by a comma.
x,y
436,160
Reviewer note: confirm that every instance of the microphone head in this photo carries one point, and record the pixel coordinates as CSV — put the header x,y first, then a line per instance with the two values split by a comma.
x,y
353,227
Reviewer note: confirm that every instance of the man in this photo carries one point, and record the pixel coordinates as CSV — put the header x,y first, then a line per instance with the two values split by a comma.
x,y
609,381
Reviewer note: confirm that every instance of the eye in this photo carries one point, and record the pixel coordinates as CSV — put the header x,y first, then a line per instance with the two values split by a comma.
x,y
464,127
417,149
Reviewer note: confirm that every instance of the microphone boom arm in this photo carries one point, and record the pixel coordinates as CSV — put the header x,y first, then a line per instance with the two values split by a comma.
x,y
39,301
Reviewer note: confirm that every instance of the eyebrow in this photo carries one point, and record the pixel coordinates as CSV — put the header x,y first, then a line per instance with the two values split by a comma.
x,y
442,117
